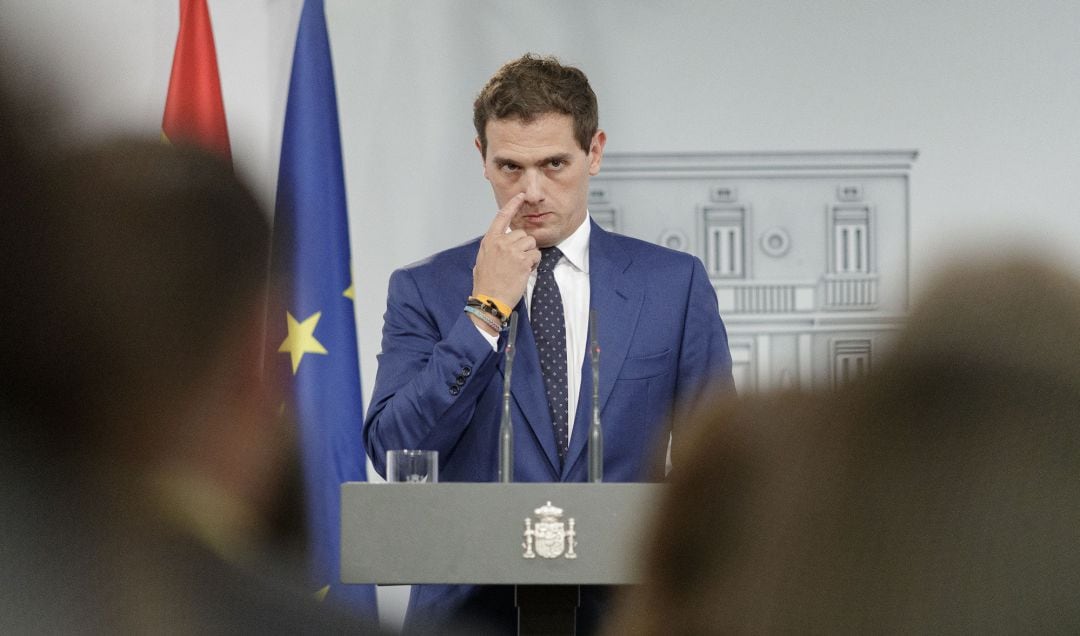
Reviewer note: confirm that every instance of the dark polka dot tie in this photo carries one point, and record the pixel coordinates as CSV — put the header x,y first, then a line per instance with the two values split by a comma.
x,y
549,329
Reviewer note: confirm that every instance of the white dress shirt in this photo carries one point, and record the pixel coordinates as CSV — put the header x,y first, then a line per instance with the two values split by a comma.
x,y
572,276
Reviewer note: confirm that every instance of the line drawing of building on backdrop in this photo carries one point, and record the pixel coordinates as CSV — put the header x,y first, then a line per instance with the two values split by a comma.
x,y
808,251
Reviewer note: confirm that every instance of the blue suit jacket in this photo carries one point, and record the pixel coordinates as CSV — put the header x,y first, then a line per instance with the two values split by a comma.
x,y
439,384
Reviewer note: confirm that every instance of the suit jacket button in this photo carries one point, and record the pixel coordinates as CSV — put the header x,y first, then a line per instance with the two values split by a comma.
x,y
454,389
466,372
461,380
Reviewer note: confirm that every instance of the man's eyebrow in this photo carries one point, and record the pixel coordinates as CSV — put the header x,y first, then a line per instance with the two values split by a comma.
x,y
562,156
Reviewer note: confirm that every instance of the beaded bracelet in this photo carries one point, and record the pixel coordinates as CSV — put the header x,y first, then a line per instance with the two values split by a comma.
x,y
488,320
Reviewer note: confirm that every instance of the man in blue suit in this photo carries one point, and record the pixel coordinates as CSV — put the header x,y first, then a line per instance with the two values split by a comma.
x,y
440,375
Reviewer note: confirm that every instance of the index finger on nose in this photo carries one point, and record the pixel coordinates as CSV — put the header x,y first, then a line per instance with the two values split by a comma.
x,y
506,214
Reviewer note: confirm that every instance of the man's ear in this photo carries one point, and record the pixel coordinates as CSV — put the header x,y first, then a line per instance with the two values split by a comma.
x,y
483,159
596,151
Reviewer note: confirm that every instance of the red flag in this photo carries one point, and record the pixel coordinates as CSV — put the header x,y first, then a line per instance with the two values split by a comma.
x,y
194,111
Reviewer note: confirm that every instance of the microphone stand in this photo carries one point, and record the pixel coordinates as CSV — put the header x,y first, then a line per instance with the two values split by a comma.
x,y
596,435
506,432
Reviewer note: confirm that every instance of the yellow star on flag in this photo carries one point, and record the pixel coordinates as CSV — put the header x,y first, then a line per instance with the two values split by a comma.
x,y
301,339
350,293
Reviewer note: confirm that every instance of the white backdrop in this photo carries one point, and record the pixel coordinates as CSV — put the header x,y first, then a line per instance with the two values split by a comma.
x,y
988,92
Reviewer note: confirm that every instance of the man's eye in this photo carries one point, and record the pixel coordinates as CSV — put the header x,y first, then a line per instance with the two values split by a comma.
x,y
509,167
556,163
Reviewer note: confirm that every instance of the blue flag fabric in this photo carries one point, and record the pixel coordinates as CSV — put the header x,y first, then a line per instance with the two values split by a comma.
x,y
313,335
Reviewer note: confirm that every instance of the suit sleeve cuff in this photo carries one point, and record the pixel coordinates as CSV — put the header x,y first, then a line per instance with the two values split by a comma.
x,y
492,340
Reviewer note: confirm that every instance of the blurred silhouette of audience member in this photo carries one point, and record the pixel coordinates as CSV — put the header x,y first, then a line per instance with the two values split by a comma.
x,y
39,490
147,458
941,494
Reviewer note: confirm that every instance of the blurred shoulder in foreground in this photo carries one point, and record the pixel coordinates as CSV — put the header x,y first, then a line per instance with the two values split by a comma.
x,y
939,495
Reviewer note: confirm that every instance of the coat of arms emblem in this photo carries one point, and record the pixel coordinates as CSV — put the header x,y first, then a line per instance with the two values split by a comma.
x,y
548,536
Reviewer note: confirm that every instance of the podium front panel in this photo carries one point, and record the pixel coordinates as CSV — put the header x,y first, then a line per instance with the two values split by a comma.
x,y
477,532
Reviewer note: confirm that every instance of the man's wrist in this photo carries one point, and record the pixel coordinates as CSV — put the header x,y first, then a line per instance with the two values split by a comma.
x,y
502,307
488,310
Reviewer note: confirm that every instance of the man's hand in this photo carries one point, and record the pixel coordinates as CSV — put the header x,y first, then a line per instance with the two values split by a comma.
x,y
505,258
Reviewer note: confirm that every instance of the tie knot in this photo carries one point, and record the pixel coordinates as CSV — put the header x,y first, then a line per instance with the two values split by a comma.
x,y
549,256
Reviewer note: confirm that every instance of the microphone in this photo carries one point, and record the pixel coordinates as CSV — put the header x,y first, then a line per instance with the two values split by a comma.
x,y
596,435
506,432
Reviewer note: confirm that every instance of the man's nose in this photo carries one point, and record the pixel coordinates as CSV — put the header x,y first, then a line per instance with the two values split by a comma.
x,y
534,192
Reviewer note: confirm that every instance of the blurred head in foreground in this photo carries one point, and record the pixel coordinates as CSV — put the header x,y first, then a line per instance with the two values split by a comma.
x,y
141,302
941,494
135,284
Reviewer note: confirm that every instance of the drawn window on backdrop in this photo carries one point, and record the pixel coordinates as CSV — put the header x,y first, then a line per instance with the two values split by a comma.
x,y
725,234
851,360
851,240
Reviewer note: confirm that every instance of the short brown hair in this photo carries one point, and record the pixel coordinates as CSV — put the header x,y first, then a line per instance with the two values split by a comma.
x,y
532,86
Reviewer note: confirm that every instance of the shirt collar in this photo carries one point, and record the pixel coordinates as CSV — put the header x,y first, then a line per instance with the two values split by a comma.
x,y
576,246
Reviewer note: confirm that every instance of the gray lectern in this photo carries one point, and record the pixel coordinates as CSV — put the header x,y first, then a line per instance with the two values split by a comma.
x,y
544,538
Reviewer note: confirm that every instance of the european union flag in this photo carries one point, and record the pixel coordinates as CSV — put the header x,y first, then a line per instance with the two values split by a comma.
x,y
316,328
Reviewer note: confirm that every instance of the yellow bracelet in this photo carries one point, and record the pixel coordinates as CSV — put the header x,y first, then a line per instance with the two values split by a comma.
x,y
501,306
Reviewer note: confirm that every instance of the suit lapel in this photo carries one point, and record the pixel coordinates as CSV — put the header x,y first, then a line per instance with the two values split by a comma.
x,y
527,387
617,300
